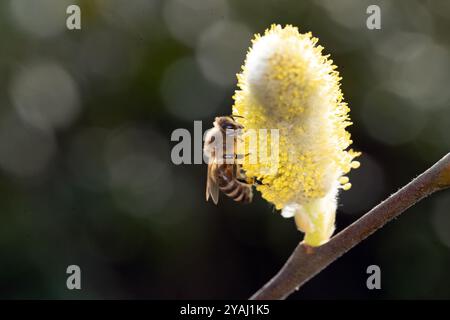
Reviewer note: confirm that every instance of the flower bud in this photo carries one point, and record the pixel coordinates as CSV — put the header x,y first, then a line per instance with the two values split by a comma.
x,y
287,84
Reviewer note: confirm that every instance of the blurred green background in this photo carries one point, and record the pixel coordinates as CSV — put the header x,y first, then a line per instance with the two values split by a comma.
x,y
85,170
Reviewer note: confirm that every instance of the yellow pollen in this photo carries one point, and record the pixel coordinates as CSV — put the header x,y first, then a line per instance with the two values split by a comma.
x,y
343,180
355,164
347,186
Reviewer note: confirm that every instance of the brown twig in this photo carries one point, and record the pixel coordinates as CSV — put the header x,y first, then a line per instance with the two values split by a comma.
x,y
306,262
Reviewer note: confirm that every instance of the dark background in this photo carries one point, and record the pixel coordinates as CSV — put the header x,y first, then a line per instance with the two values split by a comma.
x,y
85,171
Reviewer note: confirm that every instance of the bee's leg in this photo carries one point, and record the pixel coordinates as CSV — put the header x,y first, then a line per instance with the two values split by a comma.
x,y
258,182
229,158
252,180
240,174
242,177
249,181
242,156
233,133
239,158
234,172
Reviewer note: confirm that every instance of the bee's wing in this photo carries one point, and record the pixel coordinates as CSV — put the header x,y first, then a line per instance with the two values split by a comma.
x,y
212,189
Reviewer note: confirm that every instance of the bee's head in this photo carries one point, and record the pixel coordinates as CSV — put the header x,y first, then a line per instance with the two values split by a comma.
x,y
227,123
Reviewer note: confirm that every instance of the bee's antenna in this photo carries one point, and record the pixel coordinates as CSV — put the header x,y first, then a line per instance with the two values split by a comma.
x,y
236,116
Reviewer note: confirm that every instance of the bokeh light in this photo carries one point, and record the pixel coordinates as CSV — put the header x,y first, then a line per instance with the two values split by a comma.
x,y
140,179
187,19
219,58
43,18
391,121
186,92
129,15
24,150
86,159
45,95
421,76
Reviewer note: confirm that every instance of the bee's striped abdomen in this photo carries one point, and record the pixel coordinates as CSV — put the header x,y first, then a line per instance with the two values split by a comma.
x,y
238,191
230,186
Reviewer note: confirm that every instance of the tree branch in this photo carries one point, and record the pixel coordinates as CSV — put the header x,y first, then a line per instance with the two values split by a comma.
x,y
306,262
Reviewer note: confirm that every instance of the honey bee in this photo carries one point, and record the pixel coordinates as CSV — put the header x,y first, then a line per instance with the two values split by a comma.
x,y
224,173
